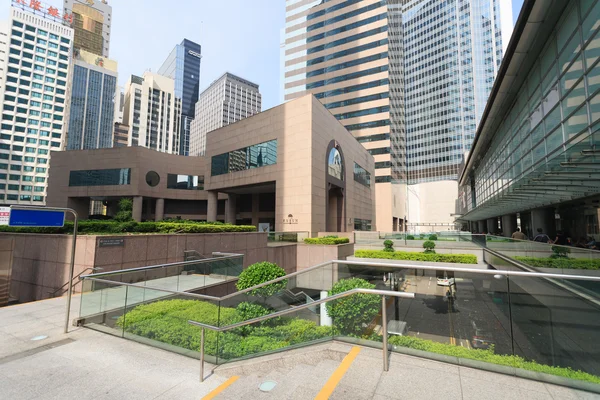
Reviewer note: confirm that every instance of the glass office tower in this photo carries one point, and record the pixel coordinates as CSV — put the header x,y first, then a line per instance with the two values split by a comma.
x,y
409,79
183,65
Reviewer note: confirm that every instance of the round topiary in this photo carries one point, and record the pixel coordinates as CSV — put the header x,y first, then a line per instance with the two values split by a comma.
x,y
429,246
351,314
388,246
259,273
410,237
433,237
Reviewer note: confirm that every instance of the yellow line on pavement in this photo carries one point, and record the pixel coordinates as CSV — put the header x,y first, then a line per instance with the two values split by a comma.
x,y
338,374
222,387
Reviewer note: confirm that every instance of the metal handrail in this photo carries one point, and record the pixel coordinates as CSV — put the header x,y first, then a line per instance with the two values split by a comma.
x,y
550,245
276,314
52,293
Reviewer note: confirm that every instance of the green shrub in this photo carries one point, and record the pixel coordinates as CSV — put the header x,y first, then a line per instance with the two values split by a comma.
x,y
351,313
560,262
560,252
388,246
125,212
433,237
410,256
327,240
489,356
429,246
410,237
260,273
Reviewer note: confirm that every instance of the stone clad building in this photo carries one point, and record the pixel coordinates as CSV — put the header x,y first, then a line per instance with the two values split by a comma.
x,y
291,168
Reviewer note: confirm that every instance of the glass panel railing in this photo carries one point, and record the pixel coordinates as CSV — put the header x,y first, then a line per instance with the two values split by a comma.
x,y
286,237
102,303
410,242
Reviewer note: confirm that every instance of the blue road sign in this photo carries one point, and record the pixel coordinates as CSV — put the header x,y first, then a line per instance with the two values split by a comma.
x,y
36,218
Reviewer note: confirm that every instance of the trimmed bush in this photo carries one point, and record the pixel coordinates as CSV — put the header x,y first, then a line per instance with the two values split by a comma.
x,y
260,273
351,314
560,262
433,237
560,252
410,256
410,237
330,241
388,246
490,357
429,246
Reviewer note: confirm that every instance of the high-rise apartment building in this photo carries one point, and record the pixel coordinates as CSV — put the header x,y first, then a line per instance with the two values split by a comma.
x,y
92,105
227,100
35,75
404,77
183,66
91,22
152,112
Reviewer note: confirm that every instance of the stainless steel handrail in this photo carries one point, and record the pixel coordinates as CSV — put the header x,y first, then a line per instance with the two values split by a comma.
x,y
225,256
276,314
582,250
115,283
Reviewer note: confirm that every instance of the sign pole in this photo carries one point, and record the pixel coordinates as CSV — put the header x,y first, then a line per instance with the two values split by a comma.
x,y
71,270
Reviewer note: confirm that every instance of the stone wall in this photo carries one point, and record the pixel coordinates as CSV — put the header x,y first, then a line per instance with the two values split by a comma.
x,y
6,261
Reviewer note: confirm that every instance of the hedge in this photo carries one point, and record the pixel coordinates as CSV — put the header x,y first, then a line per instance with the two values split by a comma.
x,y
327,240
114,227
490,357
410,256
566,263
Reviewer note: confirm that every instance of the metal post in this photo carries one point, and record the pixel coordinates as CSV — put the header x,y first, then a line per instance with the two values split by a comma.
x,y
71,270
202,356
384,332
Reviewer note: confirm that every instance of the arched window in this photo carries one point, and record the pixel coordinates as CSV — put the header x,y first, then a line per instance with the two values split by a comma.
x,y
335,165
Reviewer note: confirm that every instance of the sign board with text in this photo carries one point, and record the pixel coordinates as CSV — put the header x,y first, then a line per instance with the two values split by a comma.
x,y
111,242
37,218
4,215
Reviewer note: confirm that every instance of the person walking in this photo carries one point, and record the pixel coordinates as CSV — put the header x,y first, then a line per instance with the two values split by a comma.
x,y
541,236
519,235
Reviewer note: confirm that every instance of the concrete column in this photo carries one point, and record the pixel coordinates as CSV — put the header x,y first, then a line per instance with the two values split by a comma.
x,y
509,224
543,218
325,318
211,209
481,226
159,213
230,209
138,201
255,208
492,226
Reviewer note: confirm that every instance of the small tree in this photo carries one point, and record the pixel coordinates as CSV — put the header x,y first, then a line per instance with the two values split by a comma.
x,y
260,273
388,246
429,246
125,212
351,314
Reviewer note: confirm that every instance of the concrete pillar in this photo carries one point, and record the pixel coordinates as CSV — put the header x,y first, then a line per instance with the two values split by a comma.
x,y
211,209
492,226
255,208
230,209
138,201
159,213
543,218
481,226
509,224
325,318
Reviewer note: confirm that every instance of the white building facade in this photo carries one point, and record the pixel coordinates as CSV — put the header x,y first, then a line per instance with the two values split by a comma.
x,y
227,100
152,112
35,75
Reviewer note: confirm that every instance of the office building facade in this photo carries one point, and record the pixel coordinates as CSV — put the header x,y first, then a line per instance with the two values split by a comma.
x,y
121,135
183,66
91,21
152,112
227,100
533,164
35,77
92,105
384,68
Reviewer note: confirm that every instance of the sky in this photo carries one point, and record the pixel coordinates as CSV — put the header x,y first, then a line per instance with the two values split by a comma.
x,y
237,36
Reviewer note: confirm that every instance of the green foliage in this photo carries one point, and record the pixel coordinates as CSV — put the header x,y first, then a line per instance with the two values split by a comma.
x,y
433,237
260,273
327,240
167,321
410,256
560,252
429,246
125,212
91,227
560,262
388,246
351,314
489,356
410,237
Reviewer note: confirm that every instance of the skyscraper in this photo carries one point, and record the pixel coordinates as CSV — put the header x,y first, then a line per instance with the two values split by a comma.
x,y
91,22
183,66
408,79
34,83
227,100
152,112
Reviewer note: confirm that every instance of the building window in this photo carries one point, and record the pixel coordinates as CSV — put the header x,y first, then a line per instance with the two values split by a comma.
x,y
361,175
362,224
334,164
152,178
185,182
100,177
255,156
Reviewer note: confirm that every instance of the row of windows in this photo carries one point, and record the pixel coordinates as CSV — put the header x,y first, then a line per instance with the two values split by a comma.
x,y
15,197
361,175
185,182
331,9
347,64
350,89
347,28
255,156
41,32
373,138
360,113
357,100
100,177
23,188
367,125
346,77
348,39
347,15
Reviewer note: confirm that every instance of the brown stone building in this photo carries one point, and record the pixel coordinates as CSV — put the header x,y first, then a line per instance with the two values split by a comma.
x,y
291,168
